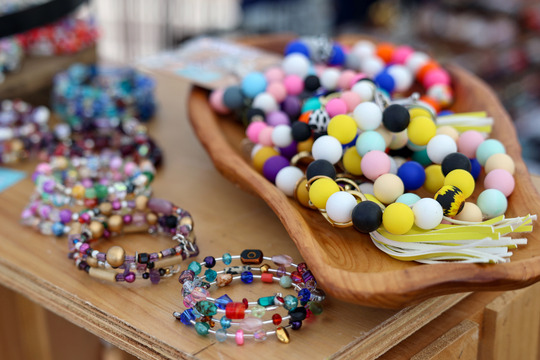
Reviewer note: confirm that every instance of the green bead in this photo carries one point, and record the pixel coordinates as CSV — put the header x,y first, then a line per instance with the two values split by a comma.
x,y
149,176
266,301
258,311
202,328
195,267
206,308
285,282
101,191
90,193
291,302
210,275
422,157
315,308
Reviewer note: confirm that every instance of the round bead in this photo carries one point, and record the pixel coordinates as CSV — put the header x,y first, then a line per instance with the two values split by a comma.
x,y
273,165
343,128
202,328
246,277
476,168
455,161
368,141
462,179
488,148
408,199
398,218
471,212
367,216
500,161
312,82
402,77
428,213
416,60
285,282
276,118
320,191
263,154
291,302
195,267
96,228
297,64
351,161
469,141
374,164
371,66
434,178
115,256
329,78
276,319
277,90
421,130
265,136
233,98
396,118
294,85
258,311
253,83
226,258
221,335
225,322
327,148
352,100
451,199
450,131
254,129
265,102
442,93
492,202
115,223
339,206
397,140
439,147
412,174
501,180
366,90
368,116
300,131
320,168
387,188
287,178
336,107
302,194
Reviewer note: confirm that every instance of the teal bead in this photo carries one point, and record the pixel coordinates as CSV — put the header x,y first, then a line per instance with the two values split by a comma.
x,y
421,157
368,141
492,203
221,335
202,328
210,275
408,199
415,147
227,258
285,282
266,301
315,308
488,148
206,308
195,267
311,104
291,302
225,322
258,311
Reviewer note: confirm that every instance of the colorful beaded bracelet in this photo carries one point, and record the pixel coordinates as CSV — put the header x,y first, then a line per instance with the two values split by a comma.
x,y
11,54
156,216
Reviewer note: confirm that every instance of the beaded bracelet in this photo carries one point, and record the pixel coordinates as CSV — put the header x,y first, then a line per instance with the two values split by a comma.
x,y
202,307
156,216
11,54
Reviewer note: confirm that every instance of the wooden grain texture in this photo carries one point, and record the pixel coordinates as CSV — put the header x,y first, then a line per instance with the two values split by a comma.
x,y
346,262
459,343
138,317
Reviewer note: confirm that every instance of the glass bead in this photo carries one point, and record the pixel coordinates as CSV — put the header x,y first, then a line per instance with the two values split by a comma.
x,y
187,316
206,308
298,314
202,328
296,277
246,277
251,324
189,302
281,271
285,282
258,311
209,262
222,301
58,229
266,301
239,337
210,275
221,335
235,310
259,335
276,319
245,302
291,302
223,280
282,335
304,295
284,260
295,325
315,308
302,267
199,294
227,258
195,267
225,322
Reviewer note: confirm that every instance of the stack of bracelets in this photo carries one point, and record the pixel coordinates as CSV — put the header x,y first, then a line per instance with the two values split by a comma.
x,y
11,54
201,307
304,112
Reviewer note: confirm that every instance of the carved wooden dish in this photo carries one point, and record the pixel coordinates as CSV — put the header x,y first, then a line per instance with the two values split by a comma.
x,y
345,262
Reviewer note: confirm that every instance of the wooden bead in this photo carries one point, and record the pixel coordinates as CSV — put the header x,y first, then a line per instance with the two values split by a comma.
x,y
115,223
97,229
186,220
140,202
168,261
151,218
115,256
105,208
75,228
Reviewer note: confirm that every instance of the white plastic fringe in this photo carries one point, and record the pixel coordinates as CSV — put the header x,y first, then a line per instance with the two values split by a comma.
x,y
462,122
462,241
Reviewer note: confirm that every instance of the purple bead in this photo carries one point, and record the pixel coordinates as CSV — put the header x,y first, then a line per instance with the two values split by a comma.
x,y
48,186
186,275
139,219
302,268
273,165
154,256
130,277
45,211
65,216
129,258
101,256
209,262
120,277
289,151
87,183
292,106
127,219
27,213
106,234
281,271
296,325
154,276
131,204
167,252
184,230
84,247
85,217
82,265
116,205
160,206
276,118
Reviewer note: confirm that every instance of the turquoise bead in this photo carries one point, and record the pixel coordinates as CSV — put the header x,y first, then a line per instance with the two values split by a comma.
x,y
492,203
225,322
195,267
266,301
291,302
206,308
221,335
285,282
227,258
488,148
202,328
210,275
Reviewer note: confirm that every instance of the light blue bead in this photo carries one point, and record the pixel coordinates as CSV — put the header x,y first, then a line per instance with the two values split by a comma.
x,y
368,141
492,202
253,84
285,282
225,322
195,267
488,148
221,335
58,229
408,199
291,302
227,259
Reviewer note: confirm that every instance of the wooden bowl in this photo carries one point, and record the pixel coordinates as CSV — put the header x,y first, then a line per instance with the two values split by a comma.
x,y
345,262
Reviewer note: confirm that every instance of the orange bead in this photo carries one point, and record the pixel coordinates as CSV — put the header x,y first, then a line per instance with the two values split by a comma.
x,y
385,51
267,277
304,117
78,192
427,67
235,310
431,101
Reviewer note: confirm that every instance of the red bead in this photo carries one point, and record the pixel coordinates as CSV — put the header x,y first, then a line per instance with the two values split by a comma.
x,y
296,277
235,310
245,302
276,319
267,277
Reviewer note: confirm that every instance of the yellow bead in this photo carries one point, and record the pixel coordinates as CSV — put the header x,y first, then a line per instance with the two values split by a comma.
x,y
471,212
398,218
262,155
343,128
115,256
421,129
451,199
105,208
305,145
418,111
301,193
264,268
283,335
461,179
388,187
434,178
448,130
500,161
375,200
351,161
320,191
78,192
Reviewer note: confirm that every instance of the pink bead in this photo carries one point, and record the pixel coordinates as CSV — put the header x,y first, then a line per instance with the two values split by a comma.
x,y
159,206
344,80
501,180
284,260
357,78
253,130
129,168
468,142
336,107
293,84
44,168
401,53
130,277
239,337
274,74
115,163
87,183
216,101
265,136
436,76
251,324
277,90
352,100
374,164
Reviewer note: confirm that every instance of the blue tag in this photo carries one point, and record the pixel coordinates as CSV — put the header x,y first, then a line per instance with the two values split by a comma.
x,y
10,177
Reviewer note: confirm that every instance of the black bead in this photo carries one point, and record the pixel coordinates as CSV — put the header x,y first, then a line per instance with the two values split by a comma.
x,y
254,114
298,314
151,265
455,161
87,268
130,187
396,118
366,216
171,221
143,258
300,131
312,83
145,275
161,272
320,168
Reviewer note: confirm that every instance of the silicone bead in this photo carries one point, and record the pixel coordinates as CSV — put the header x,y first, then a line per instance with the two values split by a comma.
x,y
470,212
374,164
329,78
455,161
296,63
327,148
421,129
320,191
287,178
439,147
282,136
336,107
396,118
434,178
369,141
387,188
262,155
492,202
320,168
461,179
366,91
339,206
343,128
408,199
253,83
402,77
451,199
488,148
273,165
398,218
367,216
265,102
412,174
428,213
500,161
469,141
351,161
501,180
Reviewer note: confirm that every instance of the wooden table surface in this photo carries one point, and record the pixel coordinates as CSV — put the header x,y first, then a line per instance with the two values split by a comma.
x,y
138,317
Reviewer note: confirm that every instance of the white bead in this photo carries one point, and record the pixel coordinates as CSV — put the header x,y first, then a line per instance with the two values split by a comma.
x,y
287,178
428,213
440,146
363,49
371,66
329,78
296,64
282,136
95,253
41,115
402,77
5,133
365,89
368,115
366,188
327,148
416,60
265,102
393,166
339,206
